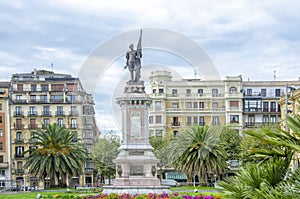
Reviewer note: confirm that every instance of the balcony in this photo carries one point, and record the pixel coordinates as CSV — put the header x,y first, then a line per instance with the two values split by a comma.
x,y
19,141
19,126
19,101
32,126
88,141
32,113
60,113
46,113
19,171
252,110
18,113
19,156
73,113
260,124
175,123
3,165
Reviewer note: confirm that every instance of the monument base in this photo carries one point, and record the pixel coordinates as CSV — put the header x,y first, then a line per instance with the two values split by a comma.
x,y
135,181
136,189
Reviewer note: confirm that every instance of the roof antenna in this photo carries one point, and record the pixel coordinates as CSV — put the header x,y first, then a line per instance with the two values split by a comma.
x,y
52,67
195,73
274,75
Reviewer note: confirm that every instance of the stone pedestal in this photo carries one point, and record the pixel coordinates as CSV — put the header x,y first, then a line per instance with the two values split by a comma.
x,y
136,164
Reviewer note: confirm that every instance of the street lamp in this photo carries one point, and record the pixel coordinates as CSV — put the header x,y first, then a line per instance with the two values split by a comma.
x,y
288,89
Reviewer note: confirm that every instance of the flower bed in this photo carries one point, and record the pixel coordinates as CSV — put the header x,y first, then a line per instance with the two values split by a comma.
x,y
128,196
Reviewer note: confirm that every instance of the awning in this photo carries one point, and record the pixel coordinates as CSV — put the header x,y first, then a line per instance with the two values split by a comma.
x,y
176,176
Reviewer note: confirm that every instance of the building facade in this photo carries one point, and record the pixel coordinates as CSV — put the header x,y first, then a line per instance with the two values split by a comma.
x,y
38,99
232,101
5,158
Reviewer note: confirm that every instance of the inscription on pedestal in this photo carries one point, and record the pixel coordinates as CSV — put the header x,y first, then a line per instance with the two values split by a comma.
x,y
136,170
136,152
136,130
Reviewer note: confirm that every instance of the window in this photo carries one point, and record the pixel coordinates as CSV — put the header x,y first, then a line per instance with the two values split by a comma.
x,y
160,90
1,133
158,105
214,92
60,110
19,87
174,92
215,120
46,110
32,110
1,159
2,173
195,105
60,122
74,110
43,98
265,119
1,120
56,98
232,90
19,110
150,119
265,106
33,87
273,118
234,104
72,98
57,87
44,87
46,122
73,123
201,105
234,119
32,124
75,136
263,92
19,137
189,105
32,98
273,107
154,91
0,106
158,119
1,145
175,121
175,106
252,105
277,92
175,133
249,91
250,120
188,92
189,120
215,105
72,87
195,120
200,92
158,133
19,97
201,121
19,124
19,151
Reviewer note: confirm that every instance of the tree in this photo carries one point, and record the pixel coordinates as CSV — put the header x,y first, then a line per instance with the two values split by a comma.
x,y
103,154
57,154
231,143
198,150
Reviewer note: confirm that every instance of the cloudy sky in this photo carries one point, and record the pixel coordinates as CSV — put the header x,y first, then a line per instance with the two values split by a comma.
x,y
248,38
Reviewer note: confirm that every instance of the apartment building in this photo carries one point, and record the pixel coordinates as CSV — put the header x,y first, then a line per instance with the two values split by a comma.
x,y
232,101
38,99
180,103
262,105
4,136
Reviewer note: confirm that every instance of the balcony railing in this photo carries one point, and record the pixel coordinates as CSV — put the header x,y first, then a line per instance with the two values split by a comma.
x,y
32,113
32,126
73,113
59,113
46,113
3,165
19,126
19,156
73,126
260,124
18,113
19,141
19,171
175,123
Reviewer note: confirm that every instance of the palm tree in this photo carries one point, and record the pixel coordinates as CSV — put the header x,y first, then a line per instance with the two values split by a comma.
x,y
198,150
57,154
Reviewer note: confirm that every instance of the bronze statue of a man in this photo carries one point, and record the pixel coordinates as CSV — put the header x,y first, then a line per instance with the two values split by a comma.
x,y
133,62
